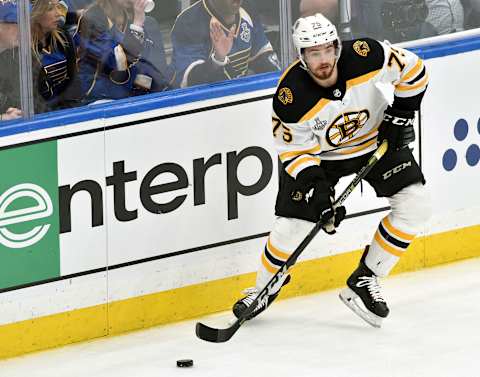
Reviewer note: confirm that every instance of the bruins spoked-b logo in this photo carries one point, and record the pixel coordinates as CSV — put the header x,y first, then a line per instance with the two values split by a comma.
x,y
285,95
297,196
346,126
361,48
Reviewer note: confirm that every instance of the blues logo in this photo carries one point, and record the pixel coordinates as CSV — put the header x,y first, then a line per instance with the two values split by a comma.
x,y
245,33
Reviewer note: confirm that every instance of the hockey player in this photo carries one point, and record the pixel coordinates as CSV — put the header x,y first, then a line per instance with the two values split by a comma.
x,y
216,40
328,117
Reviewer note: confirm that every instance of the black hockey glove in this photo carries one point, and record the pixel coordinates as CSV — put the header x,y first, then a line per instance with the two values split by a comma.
x,y
332,218
312,186
397,128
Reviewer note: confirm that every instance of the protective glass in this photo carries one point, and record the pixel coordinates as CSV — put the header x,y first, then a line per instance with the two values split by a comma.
x,y
10,93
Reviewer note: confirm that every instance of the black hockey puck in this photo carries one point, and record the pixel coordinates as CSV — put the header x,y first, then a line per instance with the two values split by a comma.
x,y
185,363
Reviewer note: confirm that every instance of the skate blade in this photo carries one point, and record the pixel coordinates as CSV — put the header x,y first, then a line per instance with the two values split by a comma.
x,y
350,299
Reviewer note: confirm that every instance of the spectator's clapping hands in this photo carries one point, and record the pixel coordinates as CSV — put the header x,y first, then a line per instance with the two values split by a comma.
x,y
222,43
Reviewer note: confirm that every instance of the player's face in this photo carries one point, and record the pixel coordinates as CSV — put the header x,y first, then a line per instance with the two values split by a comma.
x,y
321,60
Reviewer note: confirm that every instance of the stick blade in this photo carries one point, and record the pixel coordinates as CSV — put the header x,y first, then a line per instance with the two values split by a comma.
x,y
213,335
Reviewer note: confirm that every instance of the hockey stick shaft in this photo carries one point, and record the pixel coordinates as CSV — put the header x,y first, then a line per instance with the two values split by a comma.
x,y
222,335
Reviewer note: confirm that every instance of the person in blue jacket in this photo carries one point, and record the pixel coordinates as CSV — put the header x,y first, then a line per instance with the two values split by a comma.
x,y
216,40
121,52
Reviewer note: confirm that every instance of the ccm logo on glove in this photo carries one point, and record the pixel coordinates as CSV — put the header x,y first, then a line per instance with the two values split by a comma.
x,y
397,120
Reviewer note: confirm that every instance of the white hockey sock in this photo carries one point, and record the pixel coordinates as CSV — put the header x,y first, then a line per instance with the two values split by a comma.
x,y
410,210
284,238
388,245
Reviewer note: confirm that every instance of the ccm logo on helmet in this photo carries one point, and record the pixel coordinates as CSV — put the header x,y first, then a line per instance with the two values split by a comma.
x,y
398,121
396,170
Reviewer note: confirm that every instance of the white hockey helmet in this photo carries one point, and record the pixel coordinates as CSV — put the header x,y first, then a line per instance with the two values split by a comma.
x,y
313,31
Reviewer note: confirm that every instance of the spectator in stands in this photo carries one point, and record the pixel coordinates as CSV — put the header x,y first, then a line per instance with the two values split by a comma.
x,y
393,20
9,74
121,51
446,16
53,57
215,40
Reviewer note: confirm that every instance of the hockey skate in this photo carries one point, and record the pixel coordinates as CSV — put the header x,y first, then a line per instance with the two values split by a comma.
x,y
363,295
251,294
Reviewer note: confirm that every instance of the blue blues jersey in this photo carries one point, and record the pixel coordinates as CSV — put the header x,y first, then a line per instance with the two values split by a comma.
x,y
192,47
54,69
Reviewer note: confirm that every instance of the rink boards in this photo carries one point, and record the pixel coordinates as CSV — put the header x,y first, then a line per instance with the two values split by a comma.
x,y
137,214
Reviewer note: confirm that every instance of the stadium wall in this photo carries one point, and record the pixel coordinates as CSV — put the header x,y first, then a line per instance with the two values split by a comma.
x,y
137,213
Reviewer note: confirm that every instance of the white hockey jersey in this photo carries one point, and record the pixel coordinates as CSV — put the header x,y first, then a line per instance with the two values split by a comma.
x,y
311,123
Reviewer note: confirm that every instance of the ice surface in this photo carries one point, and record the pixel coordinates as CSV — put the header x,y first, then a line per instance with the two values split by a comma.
x,y
432,330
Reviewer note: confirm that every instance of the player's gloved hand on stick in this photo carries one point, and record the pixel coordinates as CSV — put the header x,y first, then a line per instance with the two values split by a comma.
x,y
397,128
331,218
312,186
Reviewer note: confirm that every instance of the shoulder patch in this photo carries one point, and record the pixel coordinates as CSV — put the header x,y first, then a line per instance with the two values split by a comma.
x,y
361,56
361,48
296,94
285,95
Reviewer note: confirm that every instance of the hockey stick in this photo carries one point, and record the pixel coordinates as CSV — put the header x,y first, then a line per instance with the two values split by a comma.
x,y
222,335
